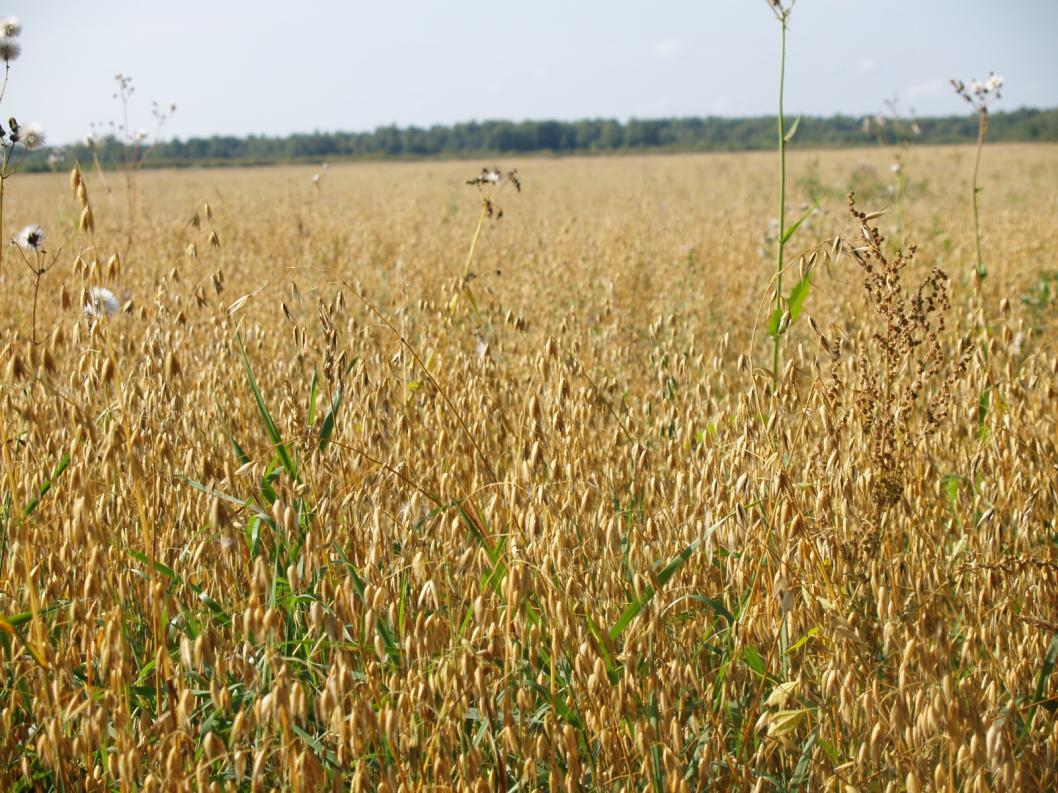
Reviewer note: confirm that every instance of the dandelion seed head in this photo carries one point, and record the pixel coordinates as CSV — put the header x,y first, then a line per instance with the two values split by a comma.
x,y
10,27
31,238
33,136
9,49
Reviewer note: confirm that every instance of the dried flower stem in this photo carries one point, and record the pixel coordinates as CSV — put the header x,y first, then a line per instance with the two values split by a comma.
x,y
38,267
982,129
470,257
782,15
3,168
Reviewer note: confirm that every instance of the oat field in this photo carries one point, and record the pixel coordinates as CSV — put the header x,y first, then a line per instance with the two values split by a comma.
x,y
310,510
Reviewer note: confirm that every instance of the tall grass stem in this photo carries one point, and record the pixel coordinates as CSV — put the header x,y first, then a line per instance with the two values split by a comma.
x,y
782,191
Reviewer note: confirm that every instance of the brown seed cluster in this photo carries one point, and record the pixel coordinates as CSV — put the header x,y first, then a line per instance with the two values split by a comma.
x,y
901,358
292,523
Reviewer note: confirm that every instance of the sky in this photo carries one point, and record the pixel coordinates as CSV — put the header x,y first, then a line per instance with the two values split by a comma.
x,y
239,67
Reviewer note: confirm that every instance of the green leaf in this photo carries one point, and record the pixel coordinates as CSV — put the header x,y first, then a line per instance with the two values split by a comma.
x,y
951,483
145,672
612,670
794,303
793,130
791,229
657,770
45,486
832,751
318,749
240,455
803,640
313,394
336,402
165,570
751,655
210,603
774,322
796,299
984,403
270,425
270,475
328,422
716,605
800,775
558,705
15,620
1050,658
639,603
253,534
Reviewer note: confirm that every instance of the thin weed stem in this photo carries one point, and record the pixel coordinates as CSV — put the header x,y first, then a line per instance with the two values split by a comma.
x,y
982,129
782,15
464,285
7,73
474,239
3,183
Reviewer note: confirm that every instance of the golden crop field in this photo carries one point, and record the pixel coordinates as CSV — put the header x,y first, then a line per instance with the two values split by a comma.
x,y
310,510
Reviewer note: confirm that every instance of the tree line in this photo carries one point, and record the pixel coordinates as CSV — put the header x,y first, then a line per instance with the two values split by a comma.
x,y
586,136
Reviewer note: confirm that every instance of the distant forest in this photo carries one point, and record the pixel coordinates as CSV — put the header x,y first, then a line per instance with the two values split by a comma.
x,y
588,136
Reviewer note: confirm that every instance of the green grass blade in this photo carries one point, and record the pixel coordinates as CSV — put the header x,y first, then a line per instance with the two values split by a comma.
x,y
45,486
165,570
639,603
791,230
800,774
328,421
796,300
612,670
310,416
715,604
751,655
1050,659
270,425
657,773
240,455
795,303
984,405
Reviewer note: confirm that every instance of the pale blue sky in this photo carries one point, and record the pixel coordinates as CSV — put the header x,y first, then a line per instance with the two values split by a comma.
x,y
272,67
